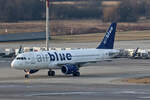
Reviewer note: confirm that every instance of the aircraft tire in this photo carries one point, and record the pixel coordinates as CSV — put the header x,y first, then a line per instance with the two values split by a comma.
x,y
51,73
27,75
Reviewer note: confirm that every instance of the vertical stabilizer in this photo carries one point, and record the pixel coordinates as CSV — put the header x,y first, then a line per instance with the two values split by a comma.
x,y
108,40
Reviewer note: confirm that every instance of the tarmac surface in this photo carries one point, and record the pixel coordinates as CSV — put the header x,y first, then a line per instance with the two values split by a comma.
x,y
99,82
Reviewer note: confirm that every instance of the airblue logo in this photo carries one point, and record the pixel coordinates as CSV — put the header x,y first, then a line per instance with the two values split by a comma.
x,y
59,56
108,35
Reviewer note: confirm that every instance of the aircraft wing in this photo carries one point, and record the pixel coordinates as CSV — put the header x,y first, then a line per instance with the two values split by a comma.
x,y
81,64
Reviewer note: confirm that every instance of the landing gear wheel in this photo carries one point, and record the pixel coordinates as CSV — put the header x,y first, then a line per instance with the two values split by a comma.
x,y
27,75
76,74
51,73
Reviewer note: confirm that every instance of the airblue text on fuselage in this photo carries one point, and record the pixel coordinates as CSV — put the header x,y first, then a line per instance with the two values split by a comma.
x,y
59,56
53,56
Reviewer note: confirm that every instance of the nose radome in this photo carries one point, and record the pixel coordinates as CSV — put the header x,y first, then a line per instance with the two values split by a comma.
x,y
13,64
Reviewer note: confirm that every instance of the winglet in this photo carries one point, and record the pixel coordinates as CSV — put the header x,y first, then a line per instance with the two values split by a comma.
x,y
108,40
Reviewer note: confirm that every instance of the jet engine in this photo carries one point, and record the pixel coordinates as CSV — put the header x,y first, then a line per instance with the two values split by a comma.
x,y
32,71
69,69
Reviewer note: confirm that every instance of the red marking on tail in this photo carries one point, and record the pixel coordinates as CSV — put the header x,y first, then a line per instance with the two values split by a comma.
x,y
47,3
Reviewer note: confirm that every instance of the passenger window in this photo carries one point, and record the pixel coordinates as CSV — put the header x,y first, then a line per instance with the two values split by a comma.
x,y
25,58
21,58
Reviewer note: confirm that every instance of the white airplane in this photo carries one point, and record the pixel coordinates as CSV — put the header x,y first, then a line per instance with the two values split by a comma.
x,y
69,61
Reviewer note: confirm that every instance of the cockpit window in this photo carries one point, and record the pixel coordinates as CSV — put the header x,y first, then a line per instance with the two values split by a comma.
x,y
21,58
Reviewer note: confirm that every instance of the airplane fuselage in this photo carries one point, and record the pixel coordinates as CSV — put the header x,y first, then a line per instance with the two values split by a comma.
x,y
69,61
54,59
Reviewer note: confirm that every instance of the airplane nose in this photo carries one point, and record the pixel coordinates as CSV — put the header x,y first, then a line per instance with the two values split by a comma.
x,y
13,64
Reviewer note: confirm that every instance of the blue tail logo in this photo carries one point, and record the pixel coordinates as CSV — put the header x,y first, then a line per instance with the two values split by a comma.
x,y
108,40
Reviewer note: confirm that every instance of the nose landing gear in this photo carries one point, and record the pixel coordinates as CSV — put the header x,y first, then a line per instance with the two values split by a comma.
x,y
27,75
28,72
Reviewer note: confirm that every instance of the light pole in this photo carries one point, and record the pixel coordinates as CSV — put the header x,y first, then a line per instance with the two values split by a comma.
x,y
47,25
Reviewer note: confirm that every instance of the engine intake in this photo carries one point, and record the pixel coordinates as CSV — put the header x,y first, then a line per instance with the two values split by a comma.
x,y
69,69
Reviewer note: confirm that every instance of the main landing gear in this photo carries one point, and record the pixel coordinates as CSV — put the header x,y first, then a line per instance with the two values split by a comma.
x,y
51,73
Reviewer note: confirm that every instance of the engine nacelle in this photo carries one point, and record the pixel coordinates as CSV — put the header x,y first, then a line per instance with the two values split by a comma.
x,y
69,69
32,71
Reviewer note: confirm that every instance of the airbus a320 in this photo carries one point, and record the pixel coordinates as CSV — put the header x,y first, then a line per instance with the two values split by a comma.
x,y
68,61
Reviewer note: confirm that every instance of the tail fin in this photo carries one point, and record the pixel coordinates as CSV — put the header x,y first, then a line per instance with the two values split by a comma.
x,y
20,50
135,53
108,40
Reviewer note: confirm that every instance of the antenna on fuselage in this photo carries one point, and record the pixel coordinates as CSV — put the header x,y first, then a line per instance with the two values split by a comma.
x,y
47,25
